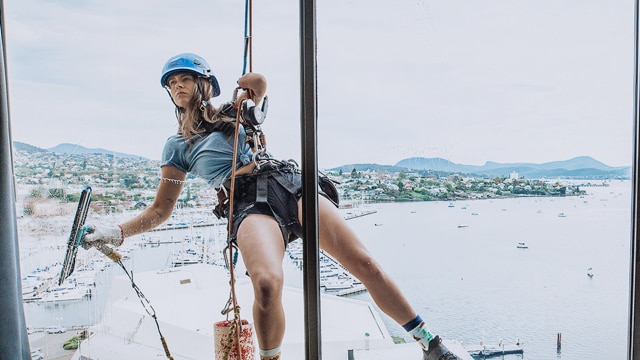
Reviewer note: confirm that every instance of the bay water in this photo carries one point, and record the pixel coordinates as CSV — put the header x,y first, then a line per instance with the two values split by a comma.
x,y
460,266
463,271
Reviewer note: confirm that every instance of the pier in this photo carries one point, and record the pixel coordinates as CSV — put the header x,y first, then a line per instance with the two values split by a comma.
x,y
361,212
352,291
487,351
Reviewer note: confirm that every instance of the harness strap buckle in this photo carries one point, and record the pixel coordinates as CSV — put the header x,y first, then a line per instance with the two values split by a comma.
x,y
222,192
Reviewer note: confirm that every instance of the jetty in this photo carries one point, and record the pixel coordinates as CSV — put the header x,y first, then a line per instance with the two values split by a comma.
x,y
356,289
483,351
348,215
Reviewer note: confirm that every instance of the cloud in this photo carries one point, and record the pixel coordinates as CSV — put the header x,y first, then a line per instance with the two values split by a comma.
x,y
526,81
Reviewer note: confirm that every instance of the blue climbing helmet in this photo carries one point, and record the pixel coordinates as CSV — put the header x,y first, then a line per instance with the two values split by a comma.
x,y
190,63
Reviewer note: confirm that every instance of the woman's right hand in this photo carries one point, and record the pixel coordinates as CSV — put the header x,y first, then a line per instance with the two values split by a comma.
x,y
103,233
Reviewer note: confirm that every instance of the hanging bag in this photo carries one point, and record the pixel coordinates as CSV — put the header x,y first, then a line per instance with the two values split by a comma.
x,y
225,337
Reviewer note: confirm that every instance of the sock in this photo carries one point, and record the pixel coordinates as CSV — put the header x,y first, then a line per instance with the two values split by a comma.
x,y
273,354
419,331
274,357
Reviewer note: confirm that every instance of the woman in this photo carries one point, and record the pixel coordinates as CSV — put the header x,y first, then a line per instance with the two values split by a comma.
x,y
262,224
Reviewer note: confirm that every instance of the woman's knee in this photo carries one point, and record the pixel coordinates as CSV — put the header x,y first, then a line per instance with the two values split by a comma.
x,y
267,288
366,268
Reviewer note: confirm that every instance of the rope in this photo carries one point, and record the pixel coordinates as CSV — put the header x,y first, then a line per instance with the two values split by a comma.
x,y
248,35
232,303
146,304
236,325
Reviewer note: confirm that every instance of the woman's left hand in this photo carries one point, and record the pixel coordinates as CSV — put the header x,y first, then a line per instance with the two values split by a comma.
x,y
255,85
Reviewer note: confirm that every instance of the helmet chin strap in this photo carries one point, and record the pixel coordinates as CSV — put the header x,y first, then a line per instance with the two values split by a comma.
x,y
176,105
203,102
171,97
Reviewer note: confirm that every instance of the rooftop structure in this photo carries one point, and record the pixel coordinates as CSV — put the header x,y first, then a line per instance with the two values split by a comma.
x,y
188,301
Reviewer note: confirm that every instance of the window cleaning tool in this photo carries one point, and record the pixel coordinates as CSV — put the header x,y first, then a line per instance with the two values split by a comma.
x,y
78,230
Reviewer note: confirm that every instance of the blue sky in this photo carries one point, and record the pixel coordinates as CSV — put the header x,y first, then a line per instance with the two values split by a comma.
x,y
469,81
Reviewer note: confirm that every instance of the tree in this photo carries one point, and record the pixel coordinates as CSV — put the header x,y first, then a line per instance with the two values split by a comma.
x,y
129,180
57,193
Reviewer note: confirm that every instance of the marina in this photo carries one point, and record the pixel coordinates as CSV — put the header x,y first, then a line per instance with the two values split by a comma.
x,y
334,278
188,246
477,299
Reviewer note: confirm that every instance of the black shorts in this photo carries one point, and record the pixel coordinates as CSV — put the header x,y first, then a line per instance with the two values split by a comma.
x,y
274,190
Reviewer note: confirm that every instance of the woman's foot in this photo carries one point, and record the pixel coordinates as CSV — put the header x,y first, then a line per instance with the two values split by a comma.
x,y
438,351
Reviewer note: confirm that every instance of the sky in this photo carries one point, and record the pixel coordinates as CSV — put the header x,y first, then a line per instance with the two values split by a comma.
x,y
465,80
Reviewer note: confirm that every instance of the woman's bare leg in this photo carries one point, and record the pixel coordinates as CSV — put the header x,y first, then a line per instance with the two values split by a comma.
x,y
341,242
262,246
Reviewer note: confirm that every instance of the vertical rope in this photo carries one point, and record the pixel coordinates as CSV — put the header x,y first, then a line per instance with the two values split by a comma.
x,y
231,264
250,35
234,162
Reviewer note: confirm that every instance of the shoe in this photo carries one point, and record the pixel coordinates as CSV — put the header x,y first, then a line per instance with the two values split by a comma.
x,y
437,351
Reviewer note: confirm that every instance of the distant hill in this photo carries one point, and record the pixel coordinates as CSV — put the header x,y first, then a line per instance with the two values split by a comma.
x,y
369,167
26,147
579,167
583,167
64,149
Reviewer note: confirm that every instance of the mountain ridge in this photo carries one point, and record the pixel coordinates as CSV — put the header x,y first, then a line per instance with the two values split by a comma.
x,y
66,149
580,166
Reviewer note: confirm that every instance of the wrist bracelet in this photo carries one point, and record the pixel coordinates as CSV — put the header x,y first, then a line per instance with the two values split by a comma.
x,y
121,235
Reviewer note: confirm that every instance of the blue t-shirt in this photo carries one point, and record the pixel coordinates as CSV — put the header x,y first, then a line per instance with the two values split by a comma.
x,y
206,155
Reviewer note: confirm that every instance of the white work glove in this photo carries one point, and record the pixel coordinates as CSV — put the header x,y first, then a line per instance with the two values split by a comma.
x,y
105,234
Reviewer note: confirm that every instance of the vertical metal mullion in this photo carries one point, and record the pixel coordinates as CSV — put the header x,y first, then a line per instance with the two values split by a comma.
x,y
634,316
13,330
311,279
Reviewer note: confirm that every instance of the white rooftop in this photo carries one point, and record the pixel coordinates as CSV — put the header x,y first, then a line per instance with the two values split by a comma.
x,y
188,301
